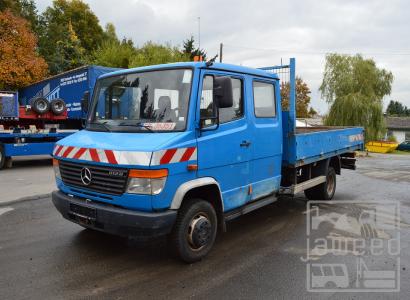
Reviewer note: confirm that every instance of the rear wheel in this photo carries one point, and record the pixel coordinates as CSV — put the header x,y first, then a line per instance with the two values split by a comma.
x,y
195,230
326,190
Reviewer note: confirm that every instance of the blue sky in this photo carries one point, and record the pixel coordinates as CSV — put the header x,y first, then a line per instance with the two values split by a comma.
x,y
262,32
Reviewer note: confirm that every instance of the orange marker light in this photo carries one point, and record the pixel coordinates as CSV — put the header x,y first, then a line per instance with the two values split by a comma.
x,y
192,167
55,162
148,173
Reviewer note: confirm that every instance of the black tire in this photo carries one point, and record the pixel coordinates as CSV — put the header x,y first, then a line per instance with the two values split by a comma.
x,y
58,106
2,157
194,231
40,105
326,190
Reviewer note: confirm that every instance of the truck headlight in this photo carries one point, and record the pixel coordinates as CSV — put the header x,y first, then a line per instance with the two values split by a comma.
x,y
148,182
56,168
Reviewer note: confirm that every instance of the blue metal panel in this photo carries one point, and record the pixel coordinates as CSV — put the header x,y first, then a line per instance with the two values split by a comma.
x,y
314,146
220,155
266,162
70,86
9,106
29,149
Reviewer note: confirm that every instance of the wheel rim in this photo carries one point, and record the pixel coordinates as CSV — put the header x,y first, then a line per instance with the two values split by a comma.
x,y
330,184
58,107
199,232
42,106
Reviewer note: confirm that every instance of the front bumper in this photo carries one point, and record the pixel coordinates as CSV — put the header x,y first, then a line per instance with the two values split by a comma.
x,y
114,220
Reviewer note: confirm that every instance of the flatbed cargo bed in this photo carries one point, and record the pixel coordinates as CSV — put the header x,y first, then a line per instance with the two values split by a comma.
x,y
310,144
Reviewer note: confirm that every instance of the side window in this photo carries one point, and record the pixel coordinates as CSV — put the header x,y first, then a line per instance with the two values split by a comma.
x,y
207,101
264,99
236,111
225,114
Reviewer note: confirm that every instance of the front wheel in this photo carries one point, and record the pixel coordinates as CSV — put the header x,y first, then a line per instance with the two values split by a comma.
x,y
326,190
195,230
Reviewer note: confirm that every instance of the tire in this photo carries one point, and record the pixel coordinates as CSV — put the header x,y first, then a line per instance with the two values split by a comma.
x,y
194,231
40,105
326,190
2,157
58,106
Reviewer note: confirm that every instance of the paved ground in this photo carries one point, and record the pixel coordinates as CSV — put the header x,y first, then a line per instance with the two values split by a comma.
x,y
44,256
30,176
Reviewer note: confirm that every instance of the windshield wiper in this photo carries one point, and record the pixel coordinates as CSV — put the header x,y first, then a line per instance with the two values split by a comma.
x,y
103,124
139,125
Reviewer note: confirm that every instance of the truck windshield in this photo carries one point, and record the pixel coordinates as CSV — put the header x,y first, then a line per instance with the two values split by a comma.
x,y
139,102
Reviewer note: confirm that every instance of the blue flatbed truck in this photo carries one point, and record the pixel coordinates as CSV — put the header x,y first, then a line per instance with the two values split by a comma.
x,y
35,117
180,149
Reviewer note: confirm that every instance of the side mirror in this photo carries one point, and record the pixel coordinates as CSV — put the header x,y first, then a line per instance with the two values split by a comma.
x,y
85,102
223,92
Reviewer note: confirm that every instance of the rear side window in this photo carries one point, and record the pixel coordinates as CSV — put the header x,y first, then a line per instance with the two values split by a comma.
x,y
264,99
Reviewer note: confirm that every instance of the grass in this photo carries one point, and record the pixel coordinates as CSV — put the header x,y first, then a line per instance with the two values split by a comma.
x,y
400,152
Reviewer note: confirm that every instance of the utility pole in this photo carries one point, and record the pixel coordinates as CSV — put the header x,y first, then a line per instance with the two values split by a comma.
x,y
199,33
221,46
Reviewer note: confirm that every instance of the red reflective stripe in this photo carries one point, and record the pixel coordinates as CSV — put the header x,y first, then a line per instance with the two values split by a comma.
x,y
59,149
166,158
187,154
94,155
66,152
110,157
79,153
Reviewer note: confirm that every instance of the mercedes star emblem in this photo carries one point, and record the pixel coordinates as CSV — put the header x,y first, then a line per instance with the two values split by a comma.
x,y
86,176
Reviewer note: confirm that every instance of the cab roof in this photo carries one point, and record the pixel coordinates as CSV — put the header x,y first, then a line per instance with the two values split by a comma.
x,y
202,65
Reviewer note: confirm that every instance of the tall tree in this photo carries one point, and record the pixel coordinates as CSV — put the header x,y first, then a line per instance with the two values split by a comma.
x,y
68,53
189,49
26,9
20,65
114,53
302,98
395,108
84,22
152,54
354,87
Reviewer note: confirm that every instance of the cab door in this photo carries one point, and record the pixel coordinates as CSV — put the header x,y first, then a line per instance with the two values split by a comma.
x,y
266,162
224,151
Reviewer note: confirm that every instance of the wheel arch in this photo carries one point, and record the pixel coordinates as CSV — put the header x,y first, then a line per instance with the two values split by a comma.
x,y
206,188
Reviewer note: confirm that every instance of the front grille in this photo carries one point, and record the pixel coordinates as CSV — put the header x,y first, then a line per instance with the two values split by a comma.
x,y
104,180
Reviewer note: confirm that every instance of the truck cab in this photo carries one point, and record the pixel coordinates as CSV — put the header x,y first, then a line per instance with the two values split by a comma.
x,y
179,149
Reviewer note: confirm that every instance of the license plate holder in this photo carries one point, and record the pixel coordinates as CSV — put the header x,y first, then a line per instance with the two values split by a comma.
x,y
85,215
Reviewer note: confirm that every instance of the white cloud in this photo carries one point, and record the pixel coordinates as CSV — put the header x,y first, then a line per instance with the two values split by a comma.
x,y
303,29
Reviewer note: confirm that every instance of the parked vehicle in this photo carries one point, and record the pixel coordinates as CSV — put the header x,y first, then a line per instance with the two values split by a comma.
x,y
405,146
35,117
183,148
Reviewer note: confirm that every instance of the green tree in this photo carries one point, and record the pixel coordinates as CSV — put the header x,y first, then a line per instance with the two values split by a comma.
x,y
84,22
68,53
302,98
191,51
114,53
151,54
26,9
395,108
354,87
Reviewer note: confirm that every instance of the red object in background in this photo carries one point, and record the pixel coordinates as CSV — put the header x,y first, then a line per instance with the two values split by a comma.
x,y
25,113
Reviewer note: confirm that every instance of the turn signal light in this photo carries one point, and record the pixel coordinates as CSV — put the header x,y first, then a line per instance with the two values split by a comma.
x,y
148,173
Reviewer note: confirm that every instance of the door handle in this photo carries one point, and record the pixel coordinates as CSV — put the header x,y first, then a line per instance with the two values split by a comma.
x,y
245,144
